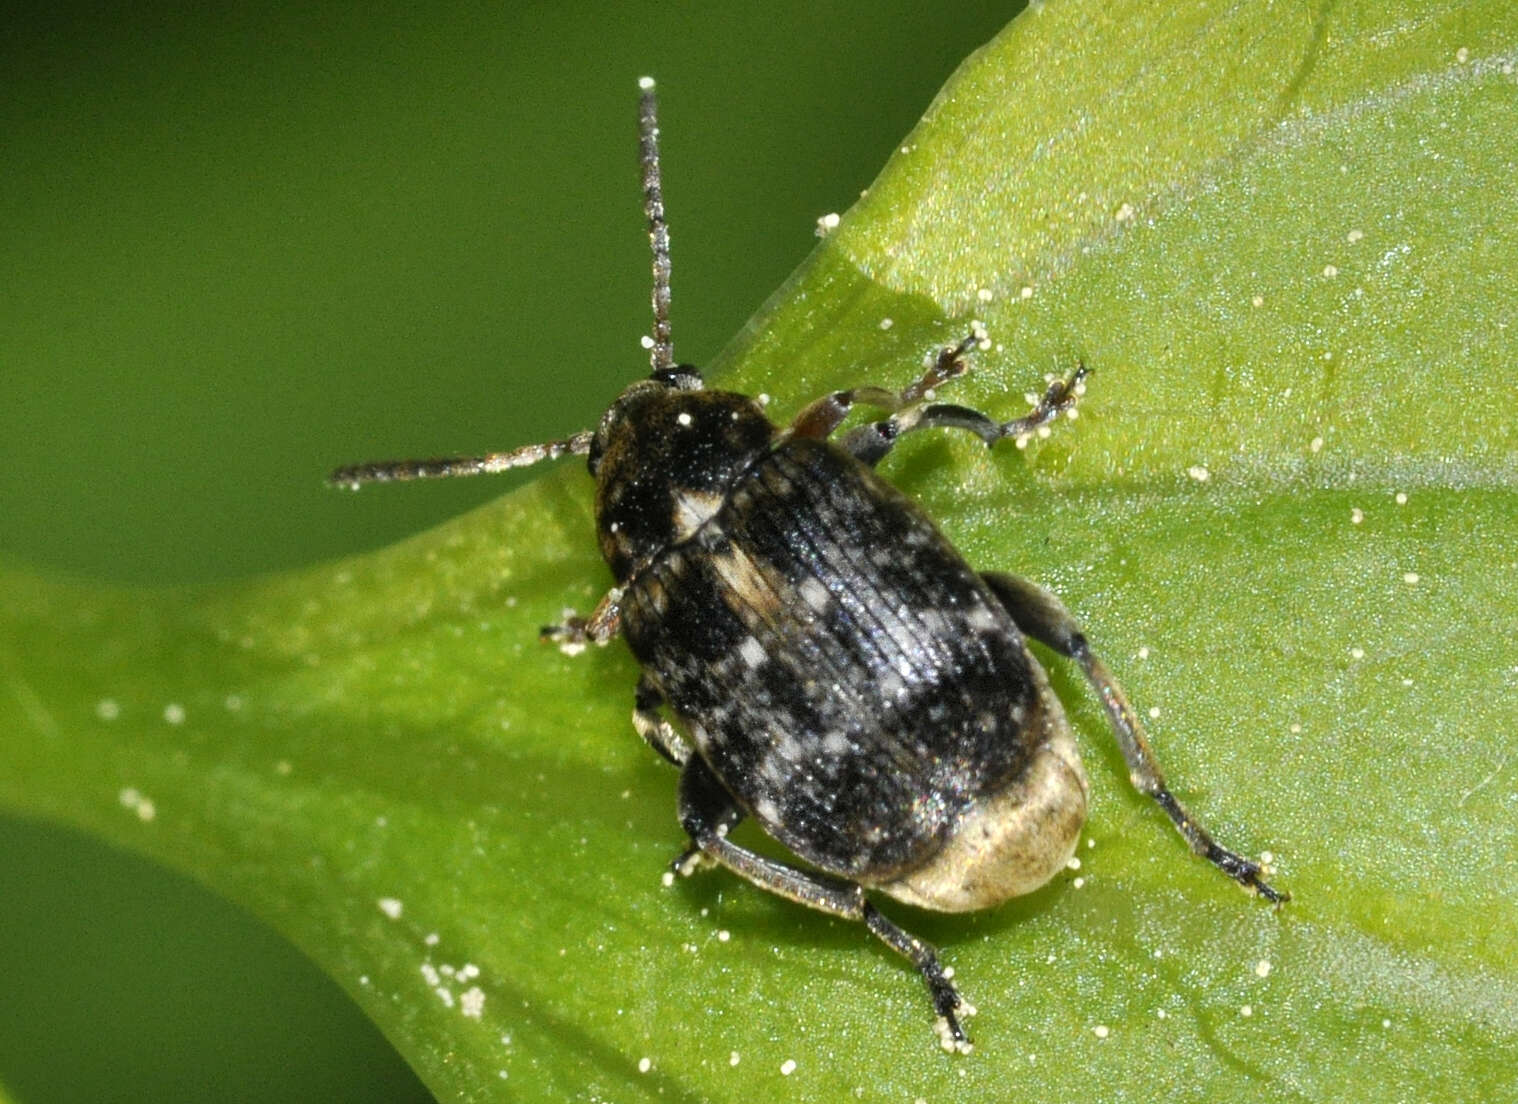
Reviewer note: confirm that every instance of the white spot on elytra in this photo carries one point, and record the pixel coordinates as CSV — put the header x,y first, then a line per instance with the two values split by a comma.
x,y
981,618
752,651
815,594
835,744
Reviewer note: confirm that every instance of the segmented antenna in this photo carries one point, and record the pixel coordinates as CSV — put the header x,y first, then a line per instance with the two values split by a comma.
x,y
446,467
663,354
662,358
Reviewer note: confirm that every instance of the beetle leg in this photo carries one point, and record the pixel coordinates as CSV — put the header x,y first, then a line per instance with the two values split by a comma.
x,y
659,733
1042,616
820,417
870,443
604,622
708,814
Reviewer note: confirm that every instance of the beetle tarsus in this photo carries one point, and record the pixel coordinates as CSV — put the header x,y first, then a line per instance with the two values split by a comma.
x,y
1246,872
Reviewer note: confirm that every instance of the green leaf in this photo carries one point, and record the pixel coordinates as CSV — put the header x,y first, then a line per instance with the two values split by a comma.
x,y
1283,242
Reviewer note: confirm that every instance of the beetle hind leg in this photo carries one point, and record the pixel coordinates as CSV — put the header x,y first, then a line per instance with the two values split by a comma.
x,y
708,814
1042,616
947,1002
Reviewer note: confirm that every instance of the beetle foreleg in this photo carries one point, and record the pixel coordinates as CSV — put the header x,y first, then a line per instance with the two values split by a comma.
x,y
820,417
708,814
1042,616
870,443
603,624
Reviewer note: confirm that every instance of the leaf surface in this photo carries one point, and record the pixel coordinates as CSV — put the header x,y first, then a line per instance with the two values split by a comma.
x,y
1282,238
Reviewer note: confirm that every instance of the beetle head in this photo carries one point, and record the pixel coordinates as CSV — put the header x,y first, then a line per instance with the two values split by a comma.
x,y
663,457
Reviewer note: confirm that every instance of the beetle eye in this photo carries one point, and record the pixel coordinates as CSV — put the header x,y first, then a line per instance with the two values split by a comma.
x,y
682,377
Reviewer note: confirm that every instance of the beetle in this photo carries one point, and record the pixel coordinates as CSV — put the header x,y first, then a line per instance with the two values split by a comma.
x,y
834,669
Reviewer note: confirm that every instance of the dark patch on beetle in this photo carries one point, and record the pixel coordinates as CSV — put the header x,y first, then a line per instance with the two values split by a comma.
x,y
841,674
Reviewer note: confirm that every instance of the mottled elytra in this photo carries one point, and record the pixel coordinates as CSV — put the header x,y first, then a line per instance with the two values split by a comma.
x,y
816,656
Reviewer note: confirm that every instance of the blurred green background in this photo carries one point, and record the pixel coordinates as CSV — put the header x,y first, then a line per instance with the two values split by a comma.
x,y
242,244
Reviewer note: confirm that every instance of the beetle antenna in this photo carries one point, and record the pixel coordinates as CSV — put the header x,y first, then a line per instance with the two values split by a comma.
x,y
445,467
662,357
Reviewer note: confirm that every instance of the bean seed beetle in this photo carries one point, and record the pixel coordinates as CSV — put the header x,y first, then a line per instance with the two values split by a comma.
x,y
817,657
